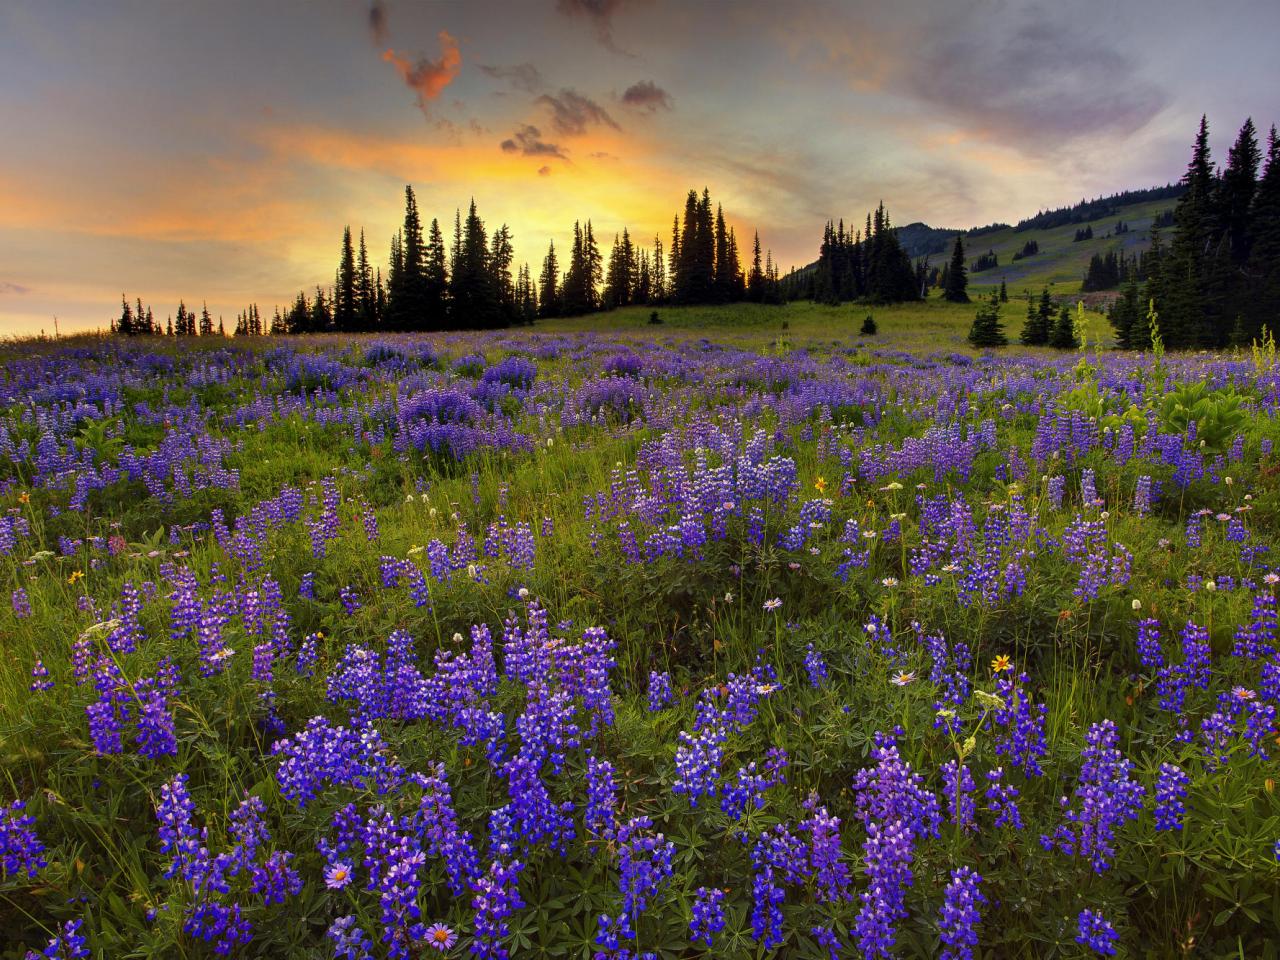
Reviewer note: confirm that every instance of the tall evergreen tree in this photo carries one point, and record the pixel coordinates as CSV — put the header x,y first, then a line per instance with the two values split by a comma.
x,y
435,280
345,317
957,289
1262,272
1187,316
1236,192
755,278
593,268
549,284
658,271
1127,318
406,295
366,304
125,325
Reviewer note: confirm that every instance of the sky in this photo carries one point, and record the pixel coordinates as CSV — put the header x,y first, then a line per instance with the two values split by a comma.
x,y
214,151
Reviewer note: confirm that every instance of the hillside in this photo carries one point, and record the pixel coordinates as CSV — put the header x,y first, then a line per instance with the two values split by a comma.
x,y
1061,262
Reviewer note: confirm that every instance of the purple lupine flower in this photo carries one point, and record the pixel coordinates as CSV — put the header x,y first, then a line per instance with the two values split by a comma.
x,y
778,857
887,855
1003,800
349,941
496,897
698,761
1095,932
644,863
959,918
707,915
1022,738
1106,798
815,666
67,944
21,604
602,801
958,785
20,849
1171,790
830,872
660,691
40,678
1149,652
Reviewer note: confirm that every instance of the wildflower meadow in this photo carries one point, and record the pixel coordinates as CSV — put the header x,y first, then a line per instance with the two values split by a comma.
x,y
647,642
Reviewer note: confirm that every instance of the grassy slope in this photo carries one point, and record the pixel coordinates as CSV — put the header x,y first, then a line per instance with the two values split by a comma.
x,y
1061,263
931,325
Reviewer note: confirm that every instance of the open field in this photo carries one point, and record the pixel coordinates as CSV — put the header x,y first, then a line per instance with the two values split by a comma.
x,y
599,638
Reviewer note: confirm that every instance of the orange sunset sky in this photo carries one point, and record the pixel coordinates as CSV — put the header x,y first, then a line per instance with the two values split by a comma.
x,y
213,151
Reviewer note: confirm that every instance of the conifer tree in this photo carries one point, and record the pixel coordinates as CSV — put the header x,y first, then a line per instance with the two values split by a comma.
x,y
1004,293
471,294
755,279
549,284
593,268
321,316
125,325
1237,190
1063,336
366,304
344,287
987,331
1126,317
435,280
1033,333
1187,318
658,270
1262,272
957,286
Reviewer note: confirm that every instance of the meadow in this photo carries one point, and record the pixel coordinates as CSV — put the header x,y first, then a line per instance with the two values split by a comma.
x,y
740,635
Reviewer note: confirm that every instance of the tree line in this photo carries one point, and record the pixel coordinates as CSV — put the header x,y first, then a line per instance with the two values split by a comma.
x,y
868,265
430,285
1218,281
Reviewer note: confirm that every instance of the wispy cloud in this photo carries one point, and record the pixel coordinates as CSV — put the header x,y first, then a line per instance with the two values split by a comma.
x,y
647,96
9,288
378,22
528,142
520,76
599,13
426,77
572,113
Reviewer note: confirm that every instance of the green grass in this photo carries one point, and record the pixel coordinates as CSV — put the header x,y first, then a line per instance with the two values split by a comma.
x,y
932,324
1061,263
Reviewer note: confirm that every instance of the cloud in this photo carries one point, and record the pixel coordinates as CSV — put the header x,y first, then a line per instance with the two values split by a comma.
x,y
572,113
378,22
521,76
647,95
544,171
528,142
7,287
599,13
1048,81
428,78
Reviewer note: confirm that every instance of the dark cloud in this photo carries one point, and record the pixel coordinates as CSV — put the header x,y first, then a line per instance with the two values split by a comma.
x,y
599,13
378,22
572,113
647,95
428,78
528,142
521,76
544,171
1047,81
9,287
